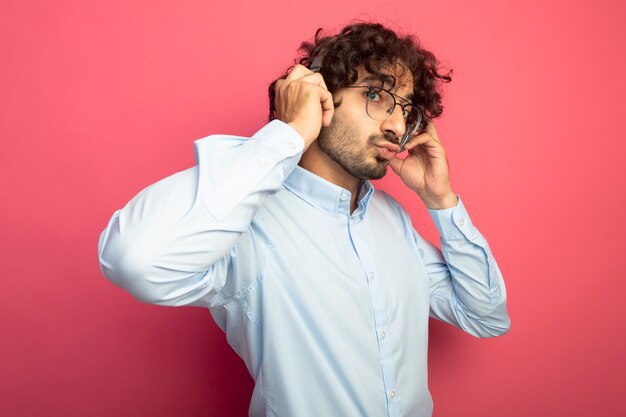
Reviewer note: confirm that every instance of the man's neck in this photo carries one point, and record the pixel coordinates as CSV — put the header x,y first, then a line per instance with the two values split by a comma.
x,y
318,162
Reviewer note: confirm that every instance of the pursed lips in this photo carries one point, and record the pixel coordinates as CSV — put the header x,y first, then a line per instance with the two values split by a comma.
x,y
387,150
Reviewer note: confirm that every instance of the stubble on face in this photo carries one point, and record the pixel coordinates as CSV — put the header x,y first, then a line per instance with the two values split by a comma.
x,y
342,140
342,143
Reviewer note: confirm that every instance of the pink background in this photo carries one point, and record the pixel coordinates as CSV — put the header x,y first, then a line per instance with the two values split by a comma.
x,y
100,99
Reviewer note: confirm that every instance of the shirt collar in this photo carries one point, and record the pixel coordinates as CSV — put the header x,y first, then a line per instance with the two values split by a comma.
x,y
327,196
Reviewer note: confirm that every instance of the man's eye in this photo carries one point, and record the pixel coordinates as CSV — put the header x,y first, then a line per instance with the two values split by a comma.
x,y
372,95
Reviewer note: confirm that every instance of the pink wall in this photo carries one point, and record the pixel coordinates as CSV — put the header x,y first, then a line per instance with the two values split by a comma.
x,y
99,99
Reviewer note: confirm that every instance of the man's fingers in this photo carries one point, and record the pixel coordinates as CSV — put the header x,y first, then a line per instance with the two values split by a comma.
x,y
315,78
428,135
396,165
298,71
317,86
302,73
430,129
328,107
418,140
303,100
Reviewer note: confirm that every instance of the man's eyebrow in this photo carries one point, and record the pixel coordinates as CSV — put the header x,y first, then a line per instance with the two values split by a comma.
x,y
408,98
371,78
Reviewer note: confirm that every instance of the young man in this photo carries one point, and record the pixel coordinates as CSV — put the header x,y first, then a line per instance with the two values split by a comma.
x,y
320,282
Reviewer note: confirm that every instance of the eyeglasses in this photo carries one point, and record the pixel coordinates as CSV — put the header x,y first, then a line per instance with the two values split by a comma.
x,y
380,104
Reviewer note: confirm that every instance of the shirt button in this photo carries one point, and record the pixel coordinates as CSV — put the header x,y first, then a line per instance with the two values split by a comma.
x,y
292,145
344,196
382,335
371,275
261,164
392,394
461,221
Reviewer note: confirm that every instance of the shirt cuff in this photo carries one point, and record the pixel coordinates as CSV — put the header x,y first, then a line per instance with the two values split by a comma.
x,y
284,139
453,223
230,167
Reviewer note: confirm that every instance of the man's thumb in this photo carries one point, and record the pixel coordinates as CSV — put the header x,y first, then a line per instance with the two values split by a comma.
x,y
396,165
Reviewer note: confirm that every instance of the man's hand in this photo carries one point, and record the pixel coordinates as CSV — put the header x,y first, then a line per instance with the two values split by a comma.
x,y
425,170
303,101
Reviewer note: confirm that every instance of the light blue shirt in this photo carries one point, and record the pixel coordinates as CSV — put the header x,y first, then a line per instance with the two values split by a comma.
x,y
328,309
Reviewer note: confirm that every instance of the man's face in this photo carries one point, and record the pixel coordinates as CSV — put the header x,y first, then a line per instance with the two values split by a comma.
x,y
361,145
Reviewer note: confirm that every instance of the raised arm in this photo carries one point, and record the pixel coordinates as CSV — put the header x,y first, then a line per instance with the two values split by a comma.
x,y
466,286
171,243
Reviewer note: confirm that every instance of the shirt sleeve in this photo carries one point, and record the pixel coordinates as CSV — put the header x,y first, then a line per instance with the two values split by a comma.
x,y
174,243
466,286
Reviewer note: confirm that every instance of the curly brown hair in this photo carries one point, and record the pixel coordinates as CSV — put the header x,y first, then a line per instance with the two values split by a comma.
x,y
375,47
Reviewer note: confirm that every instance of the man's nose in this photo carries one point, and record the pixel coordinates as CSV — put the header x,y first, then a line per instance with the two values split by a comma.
x,y
395,122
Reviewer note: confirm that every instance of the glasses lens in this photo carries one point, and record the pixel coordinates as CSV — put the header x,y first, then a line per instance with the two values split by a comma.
x,y
378,103
413,118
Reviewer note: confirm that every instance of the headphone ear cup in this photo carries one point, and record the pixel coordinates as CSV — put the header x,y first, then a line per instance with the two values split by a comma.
x,y
316,65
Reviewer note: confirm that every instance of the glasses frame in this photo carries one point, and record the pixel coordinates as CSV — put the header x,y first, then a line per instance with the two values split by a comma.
x,y
409,130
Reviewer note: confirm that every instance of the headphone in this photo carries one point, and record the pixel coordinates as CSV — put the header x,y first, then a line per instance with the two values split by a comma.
x,y
316,65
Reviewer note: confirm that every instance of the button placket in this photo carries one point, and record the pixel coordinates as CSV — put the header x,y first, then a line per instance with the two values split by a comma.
x,y
377,294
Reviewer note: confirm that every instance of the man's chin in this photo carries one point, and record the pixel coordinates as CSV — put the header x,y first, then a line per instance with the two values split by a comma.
x,y
379,175
376,173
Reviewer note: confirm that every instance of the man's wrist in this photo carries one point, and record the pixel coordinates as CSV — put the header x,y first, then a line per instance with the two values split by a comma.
x,y
444,202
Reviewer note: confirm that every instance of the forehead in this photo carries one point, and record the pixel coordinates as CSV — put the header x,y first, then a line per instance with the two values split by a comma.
x,y
403,78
